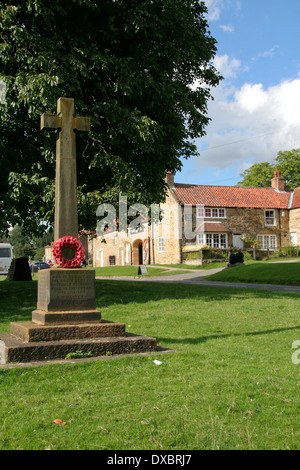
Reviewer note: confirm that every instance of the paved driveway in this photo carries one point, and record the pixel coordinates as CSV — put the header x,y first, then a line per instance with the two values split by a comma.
x,y
197,278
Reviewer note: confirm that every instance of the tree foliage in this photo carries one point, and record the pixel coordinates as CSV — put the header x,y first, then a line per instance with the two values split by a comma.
x,y
258,175
129,65
261,174
24,245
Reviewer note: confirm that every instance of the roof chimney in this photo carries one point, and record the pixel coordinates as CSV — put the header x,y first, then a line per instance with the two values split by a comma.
x,y
278,181
169,179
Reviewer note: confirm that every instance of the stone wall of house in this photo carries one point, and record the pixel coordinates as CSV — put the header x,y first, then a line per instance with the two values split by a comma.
x,y
166,236
121,250
250,221
294,226
103,249
136,251
170,254
160,243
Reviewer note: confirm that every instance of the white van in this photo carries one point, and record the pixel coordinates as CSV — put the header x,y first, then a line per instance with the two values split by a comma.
x,y
6,256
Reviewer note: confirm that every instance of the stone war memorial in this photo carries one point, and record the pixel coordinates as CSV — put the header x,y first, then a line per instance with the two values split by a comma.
x,y
66,319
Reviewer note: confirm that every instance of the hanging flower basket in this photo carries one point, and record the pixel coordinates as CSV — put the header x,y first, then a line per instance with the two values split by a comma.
x,y
70,242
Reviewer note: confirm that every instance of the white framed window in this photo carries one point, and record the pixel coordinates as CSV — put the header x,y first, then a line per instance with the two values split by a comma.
x,y
201,239
267,241
215,240
161,245
211,212
270,219
200,212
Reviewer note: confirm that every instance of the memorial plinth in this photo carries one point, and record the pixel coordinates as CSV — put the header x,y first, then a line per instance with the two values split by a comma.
x,y
66,295
13,350
66,321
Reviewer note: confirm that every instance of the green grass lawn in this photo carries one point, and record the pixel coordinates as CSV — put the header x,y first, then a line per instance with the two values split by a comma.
x,y
261,273
230,385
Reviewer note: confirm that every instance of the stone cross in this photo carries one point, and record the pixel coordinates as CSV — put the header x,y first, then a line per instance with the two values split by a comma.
x,y
66,217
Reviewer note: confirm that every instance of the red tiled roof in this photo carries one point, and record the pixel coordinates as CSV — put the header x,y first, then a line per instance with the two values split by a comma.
x,y
296,199
231,196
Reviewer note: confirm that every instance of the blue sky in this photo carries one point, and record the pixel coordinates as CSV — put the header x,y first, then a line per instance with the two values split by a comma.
x,y
256,108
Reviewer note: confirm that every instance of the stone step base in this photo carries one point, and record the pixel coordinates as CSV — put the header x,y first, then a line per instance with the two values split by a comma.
x,y
49,318
33,332
14,350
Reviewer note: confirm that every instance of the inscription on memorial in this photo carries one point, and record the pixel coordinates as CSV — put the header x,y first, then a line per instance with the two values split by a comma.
x,y
75,290
66,290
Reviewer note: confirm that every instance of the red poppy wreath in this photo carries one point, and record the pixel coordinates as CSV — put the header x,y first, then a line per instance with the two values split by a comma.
x,y
70,242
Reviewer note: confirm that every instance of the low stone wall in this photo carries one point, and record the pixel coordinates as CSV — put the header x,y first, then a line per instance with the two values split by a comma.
x,y
193,262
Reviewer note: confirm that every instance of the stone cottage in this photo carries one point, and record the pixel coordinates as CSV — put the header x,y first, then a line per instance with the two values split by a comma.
x,y
217,216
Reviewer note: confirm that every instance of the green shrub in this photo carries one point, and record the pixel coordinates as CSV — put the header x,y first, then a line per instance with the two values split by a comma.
x,y
288,251
247,255
192,255
215,253
207,254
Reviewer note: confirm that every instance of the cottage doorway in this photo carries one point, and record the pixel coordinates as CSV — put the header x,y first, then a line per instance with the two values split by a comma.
x,y
137,252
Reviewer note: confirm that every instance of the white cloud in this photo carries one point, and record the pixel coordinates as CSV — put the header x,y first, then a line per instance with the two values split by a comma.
x,y
251,124
228,67
251,97
214,9
227,28
269,53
